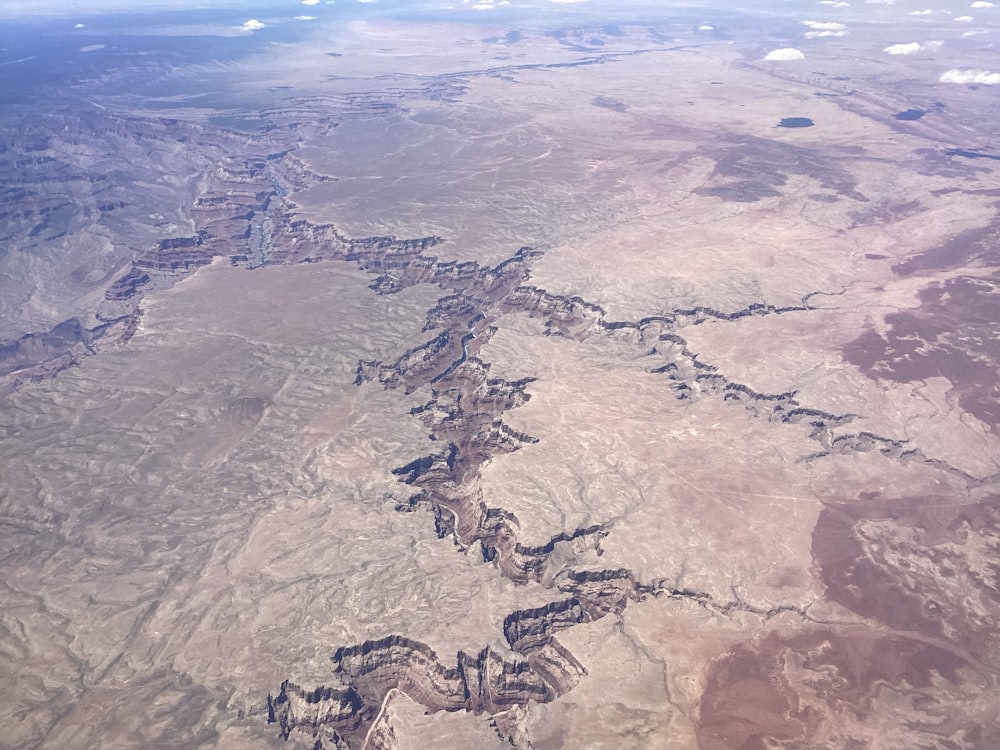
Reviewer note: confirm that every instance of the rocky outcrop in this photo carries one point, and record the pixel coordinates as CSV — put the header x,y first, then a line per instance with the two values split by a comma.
x,y
35,348
530,563
489,681
38,356
529,629
334,712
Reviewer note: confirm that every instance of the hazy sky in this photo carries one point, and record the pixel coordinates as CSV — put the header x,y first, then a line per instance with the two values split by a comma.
x,y
86,7
858,9
69,8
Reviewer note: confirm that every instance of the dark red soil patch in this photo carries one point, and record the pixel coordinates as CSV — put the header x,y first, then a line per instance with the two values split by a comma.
x,y
953,334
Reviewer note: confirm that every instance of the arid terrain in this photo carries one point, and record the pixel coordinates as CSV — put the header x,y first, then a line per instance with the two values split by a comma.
x,y
572,383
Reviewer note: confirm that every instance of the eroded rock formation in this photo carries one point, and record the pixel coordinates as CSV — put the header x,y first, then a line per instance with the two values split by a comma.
x,y
239,213
486,682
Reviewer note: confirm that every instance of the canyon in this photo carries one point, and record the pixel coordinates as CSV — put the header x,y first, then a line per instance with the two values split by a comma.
x,y
429,409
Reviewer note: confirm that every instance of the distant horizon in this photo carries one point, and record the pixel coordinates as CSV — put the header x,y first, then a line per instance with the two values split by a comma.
x,y
57,8
482,11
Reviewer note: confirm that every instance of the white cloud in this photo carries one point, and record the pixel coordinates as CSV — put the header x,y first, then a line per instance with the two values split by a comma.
x,y
835,3
310,2
80,26
706,27
784,54
969,76
305,18
964,19
824,29
910,48
921,12
252,25
981,4
92,48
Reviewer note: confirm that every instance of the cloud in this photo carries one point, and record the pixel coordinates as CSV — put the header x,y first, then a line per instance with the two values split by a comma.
x,y
835,3
911,48
706,27
305,18
964,19
981,4
784,54
969,76
310,2
824,28
252,25
80,26
921,12
19,60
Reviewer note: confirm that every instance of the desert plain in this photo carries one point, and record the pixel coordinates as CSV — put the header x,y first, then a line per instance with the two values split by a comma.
x,y
479,383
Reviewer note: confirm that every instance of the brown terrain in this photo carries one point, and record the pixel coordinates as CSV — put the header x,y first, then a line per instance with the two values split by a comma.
x,y
530,392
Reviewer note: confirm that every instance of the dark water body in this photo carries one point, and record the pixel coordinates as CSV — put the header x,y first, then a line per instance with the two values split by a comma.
x,y
911,114
608,103
973,153
795,122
